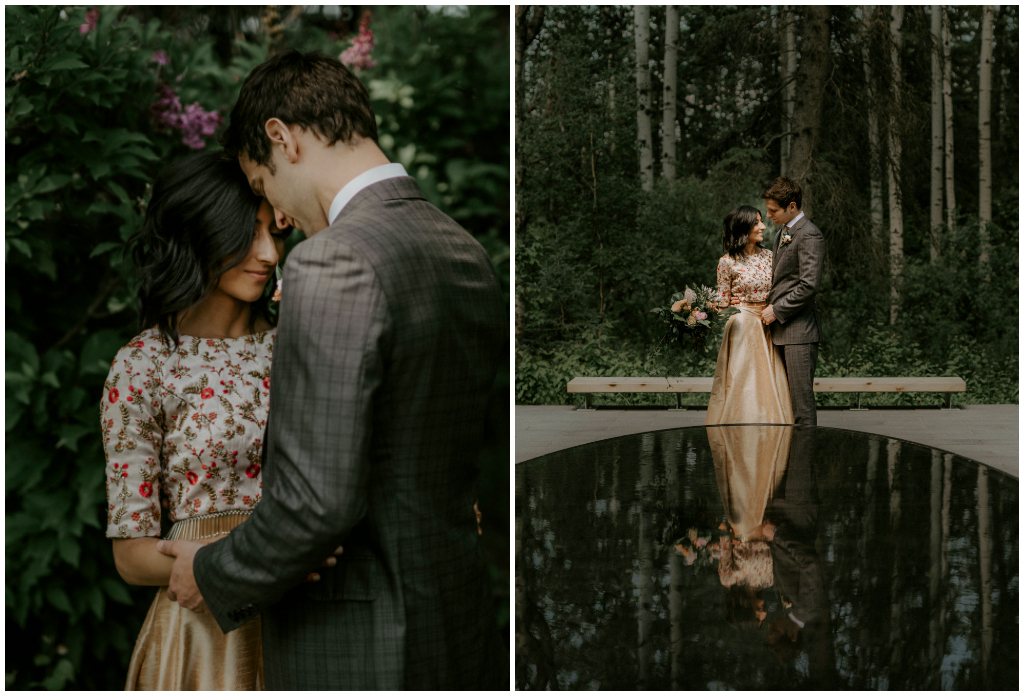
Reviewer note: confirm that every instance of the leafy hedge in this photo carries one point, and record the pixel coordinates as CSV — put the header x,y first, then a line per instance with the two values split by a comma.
x,y
83,142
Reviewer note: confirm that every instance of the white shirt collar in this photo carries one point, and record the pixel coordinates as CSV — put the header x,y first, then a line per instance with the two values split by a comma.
x,y
367,178
790,223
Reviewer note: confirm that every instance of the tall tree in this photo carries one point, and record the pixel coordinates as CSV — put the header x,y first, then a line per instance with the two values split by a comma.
x,y
893,164
947,110
815,62
642,36
789,83
870,14
985,139
528,25
937,132
668,99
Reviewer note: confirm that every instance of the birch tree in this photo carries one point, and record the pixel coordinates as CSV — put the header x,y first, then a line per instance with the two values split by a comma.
x,y
668,100
947,109
937,132
870,12
893,165
985,139
789,82
642,34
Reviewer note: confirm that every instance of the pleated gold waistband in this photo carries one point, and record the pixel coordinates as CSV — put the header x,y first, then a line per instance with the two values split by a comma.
x,y
207,526
744,303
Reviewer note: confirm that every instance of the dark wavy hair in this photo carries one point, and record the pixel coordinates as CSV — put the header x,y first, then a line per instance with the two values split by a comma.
x,y
310,90
738,224
199,224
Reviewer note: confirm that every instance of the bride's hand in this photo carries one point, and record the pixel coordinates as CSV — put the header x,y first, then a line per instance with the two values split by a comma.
x,y
331,561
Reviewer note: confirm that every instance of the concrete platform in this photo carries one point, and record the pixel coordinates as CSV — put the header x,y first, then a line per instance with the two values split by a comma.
x,y
987,433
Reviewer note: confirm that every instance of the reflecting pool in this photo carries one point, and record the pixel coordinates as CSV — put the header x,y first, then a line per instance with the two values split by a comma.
x,y
764,557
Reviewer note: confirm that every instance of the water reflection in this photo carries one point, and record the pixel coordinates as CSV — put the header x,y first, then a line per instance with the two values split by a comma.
x,y
764,557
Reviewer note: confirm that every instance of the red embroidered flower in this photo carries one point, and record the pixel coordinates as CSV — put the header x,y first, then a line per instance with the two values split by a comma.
x,y
266,383
252,471
139,344
146,489
113,395
192,477
207,393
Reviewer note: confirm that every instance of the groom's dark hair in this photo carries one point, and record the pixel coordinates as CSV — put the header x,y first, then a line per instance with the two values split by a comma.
x,y
784,191
310,90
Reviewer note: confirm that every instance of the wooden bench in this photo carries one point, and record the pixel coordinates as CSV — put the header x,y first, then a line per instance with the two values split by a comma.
x,y
690,385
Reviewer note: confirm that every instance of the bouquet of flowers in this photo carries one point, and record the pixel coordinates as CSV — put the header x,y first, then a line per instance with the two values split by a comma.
x,y
693,315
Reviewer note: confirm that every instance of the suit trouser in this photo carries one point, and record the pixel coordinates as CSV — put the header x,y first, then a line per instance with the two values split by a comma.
x,y
800,359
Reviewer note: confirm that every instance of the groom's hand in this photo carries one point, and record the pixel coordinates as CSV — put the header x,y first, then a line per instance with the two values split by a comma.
x,y
182,587
768,315
331,561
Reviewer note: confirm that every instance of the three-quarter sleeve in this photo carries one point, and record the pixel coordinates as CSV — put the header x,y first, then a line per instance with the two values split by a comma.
x,y
724,281
132,438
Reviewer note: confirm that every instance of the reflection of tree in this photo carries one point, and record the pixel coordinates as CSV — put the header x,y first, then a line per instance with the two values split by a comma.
x,y
985,561
896,598
645,567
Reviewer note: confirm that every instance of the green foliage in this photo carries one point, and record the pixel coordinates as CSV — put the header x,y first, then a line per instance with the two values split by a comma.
x,y
81,153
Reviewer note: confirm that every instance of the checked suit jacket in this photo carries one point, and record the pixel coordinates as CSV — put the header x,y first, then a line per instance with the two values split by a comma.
x,y
796,277
392,328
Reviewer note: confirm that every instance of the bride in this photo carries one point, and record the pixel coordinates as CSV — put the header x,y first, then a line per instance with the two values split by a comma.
x,y
750,380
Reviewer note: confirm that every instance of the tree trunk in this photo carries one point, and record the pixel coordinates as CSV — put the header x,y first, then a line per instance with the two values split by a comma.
x,y
642,33
896,597
668,126
895,152
935,643
985,140
937,132
815,64
527,28
985,561
874,137
789,82
947,108
645,575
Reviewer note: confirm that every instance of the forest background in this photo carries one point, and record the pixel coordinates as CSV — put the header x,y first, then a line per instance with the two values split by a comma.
x,y
97,101
639,128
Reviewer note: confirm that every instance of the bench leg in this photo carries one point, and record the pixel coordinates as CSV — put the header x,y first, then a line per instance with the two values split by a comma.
x,y
679,403
949,402
858,406
586,403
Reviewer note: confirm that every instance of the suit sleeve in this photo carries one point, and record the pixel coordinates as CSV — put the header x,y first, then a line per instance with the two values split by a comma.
x,y
328,364
810,258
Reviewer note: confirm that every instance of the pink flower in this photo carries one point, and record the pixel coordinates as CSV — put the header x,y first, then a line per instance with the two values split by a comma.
x,y
193,121
701,316
91,17
357,56
160,58
277,292
701,543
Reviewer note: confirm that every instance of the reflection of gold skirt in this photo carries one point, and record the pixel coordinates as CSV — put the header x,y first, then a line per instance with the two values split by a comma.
x,y
179,650
750,383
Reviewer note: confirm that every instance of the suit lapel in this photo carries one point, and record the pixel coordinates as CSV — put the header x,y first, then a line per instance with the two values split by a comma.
x,y
793,231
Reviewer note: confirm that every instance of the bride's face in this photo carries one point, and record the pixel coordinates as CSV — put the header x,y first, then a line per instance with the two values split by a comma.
x,y
246,281
757,231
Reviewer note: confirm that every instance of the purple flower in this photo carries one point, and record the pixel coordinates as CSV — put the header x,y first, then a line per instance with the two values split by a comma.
x,y
160,58
357,56
91,17
193,121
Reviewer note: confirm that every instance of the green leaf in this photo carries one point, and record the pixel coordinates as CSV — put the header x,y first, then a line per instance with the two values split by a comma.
x,y
115,589
96,602
52,183
21,245
70,434
67,122
104,247
65,64
69,551
58,598
99,351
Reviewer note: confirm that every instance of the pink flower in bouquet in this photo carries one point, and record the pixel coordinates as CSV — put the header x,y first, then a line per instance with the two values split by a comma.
x,y
701,543
277,292
701,316
357,56
91,17
690,296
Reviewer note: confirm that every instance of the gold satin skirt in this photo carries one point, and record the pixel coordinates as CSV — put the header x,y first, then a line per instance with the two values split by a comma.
x,y
750,383
749,465
178,650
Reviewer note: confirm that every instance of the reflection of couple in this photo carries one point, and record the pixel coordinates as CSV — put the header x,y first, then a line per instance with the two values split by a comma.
x,y
391,333
765,369
766,477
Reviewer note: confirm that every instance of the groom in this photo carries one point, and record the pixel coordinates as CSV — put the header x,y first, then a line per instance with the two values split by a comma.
x,y
392,330
799,253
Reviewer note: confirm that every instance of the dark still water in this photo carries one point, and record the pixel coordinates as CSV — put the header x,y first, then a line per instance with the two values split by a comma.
x,y
764,557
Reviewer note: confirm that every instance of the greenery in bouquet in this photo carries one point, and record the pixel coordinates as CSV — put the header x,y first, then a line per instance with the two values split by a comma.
x,y
692,316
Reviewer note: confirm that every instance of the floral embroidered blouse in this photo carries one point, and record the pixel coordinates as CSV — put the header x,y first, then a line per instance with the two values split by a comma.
x,y
748,277
747,564
183,429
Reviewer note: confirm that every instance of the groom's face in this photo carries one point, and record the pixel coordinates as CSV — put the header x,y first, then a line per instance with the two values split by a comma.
x,y
267,186
779,215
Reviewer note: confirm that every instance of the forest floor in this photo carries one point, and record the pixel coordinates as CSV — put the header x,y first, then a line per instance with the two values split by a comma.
x,y
987,433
